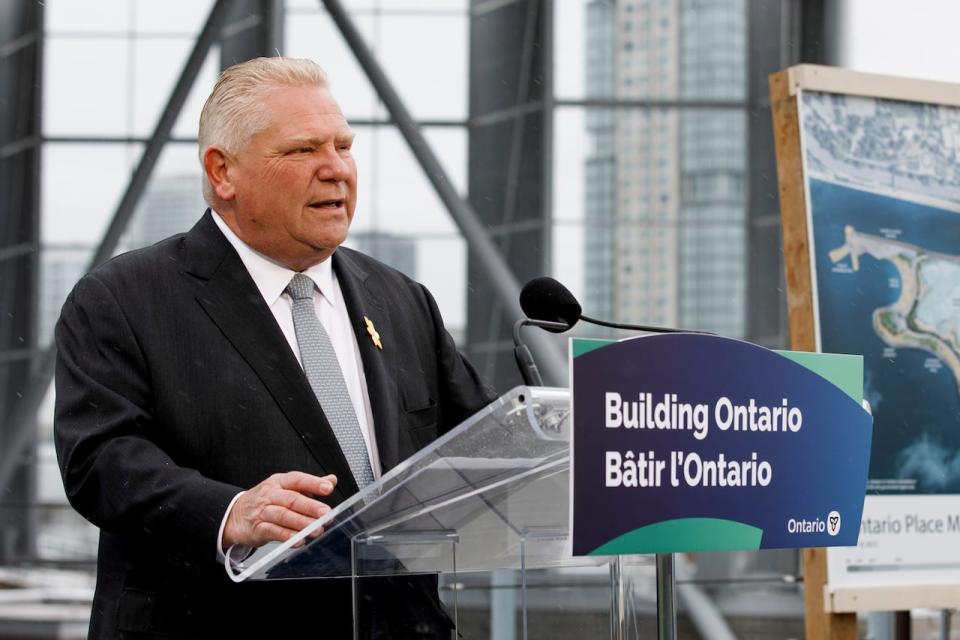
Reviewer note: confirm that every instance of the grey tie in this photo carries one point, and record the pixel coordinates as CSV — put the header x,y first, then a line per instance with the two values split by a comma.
x,y
326,378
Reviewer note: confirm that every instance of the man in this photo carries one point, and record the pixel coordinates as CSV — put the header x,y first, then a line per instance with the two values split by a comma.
x,y
202,406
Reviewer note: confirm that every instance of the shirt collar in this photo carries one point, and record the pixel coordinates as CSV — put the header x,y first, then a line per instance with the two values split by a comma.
x,y
270,276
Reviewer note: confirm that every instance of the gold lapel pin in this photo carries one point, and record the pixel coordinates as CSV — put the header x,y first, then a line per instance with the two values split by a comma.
x,y
373,333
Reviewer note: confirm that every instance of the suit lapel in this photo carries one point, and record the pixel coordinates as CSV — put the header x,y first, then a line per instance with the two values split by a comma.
x,y
231,300
364,298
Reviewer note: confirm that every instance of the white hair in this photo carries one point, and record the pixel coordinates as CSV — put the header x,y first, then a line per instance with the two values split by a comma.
x,y
234,113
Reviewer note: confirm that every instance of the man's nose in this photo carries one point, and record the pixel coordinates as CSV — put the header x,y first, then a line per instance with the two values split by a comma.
x,y
333,166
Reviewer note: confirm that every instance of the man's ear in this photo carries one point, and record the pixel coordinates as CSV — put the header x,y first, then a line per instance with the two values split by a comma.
x,y
216,164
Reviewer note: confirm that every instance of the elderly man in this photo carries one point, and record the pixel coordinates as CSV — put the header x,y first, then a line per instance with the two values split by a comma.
x,y
227,386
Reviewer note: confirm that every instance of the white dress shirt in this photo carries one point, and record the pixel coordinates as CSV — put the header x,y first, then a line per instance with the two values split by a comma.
x,y
271,279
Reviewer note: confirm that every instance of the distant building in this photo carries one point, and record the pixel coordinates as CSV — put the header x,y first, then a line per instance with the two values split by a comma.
x,y
665,181
601,165
60,268
397,251
170,205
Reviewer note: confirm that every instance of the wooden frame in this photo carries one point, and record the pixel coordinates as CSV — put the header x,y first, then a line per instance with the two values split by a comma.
x,y
830,615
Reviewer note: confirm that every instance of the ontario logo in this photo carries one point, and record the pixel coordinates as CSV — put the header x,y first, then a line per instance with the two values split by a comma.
x,y
831,525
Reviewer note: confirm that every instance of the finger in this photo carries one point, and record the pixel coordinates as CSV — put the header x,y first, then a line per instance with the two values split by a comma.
x,y
298,502
286,518
306,483
267,531
332,480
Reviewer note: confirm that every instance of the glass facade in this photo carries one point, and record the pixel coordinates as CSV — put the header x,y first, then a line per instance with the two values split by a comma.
x,y
632,189
647,114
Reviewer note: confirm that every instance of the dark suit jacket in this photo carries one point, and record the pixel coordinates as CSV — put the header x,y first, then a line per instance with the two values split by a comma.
x,y
176,389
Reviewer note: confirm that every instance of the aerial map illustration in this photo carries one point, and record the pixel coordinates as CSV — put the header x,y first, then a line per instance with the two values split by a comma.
x,y
884,208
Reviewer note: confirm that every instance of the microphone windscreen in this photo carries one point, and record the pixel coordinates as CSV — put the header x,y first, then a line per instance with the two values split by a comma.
x,y
546,299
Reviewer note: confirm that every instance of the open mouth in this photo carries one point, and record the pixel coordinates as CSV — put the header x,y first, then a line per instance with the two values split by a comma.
x,y
327,204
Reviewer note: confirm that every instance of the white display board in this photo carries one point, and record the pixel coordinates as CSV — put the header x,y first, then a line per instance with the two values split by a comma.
x,y
880,163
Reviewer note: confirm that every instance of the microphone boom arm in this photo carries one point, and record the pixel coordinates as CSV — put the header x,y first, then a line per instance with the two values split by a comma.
x,y
639,327
528,368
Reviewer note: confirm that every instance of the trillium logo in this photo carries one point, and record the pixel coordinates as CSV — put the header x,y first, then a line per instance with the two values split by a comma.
x,y
833,523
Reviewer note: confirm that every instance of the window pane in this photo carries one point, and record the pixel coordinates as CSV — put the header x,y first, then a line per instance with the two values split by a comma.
x,y
397,195
81,186
171,16
157,67
315,36
432,86
570,49
102,16
77,101
429,73
172,202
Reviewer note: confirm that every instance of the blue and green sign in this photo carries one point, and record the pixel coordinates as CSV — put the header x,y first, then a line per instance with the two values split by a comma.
x,y
689,442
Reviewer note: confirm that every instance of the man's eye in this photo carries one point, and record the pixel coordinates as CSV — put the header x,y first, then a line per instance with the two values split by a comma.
x,y
305,150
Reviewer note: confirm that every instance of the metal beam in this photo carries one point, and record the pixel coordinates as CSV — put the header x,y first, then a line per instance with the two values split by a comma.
x,y
113,140
252,28
161,134
515,156
644,103
21,69
547,135
519,125
518,110
504,115
502,278
22,418
16,250
17,44
19,146
8,356
509,81
107,139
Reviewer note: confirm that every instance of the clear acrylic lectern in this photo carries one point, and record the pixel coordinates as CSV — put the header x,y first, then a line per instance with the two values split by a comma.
x,y
490,495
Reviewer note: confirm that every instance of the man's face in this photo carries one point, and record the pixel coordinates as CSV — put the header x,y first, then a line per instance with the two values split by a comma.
x,y
295,181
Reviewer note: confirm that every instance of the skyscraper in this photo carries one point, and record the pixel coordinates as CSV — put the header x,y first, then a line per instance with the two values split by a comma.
x,y
666,173
600,189
171,205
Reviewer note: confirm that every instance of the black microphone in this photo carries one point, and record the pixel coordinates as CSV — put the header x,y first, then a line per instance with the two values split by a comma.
x,y
540,314
544,298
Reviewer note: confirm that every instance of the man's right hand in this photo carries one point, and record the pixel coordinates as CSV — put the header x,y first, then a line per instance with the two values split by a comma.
x,y
277,509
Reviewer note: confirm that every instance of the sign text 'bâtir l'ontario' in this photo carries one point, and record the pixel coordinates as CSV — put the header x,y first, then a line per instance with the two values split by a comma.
x,y
645,469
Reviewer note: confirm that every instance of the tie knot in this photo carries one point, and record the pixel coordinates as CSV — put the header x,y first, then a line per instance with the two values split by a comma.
x,y
300,287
